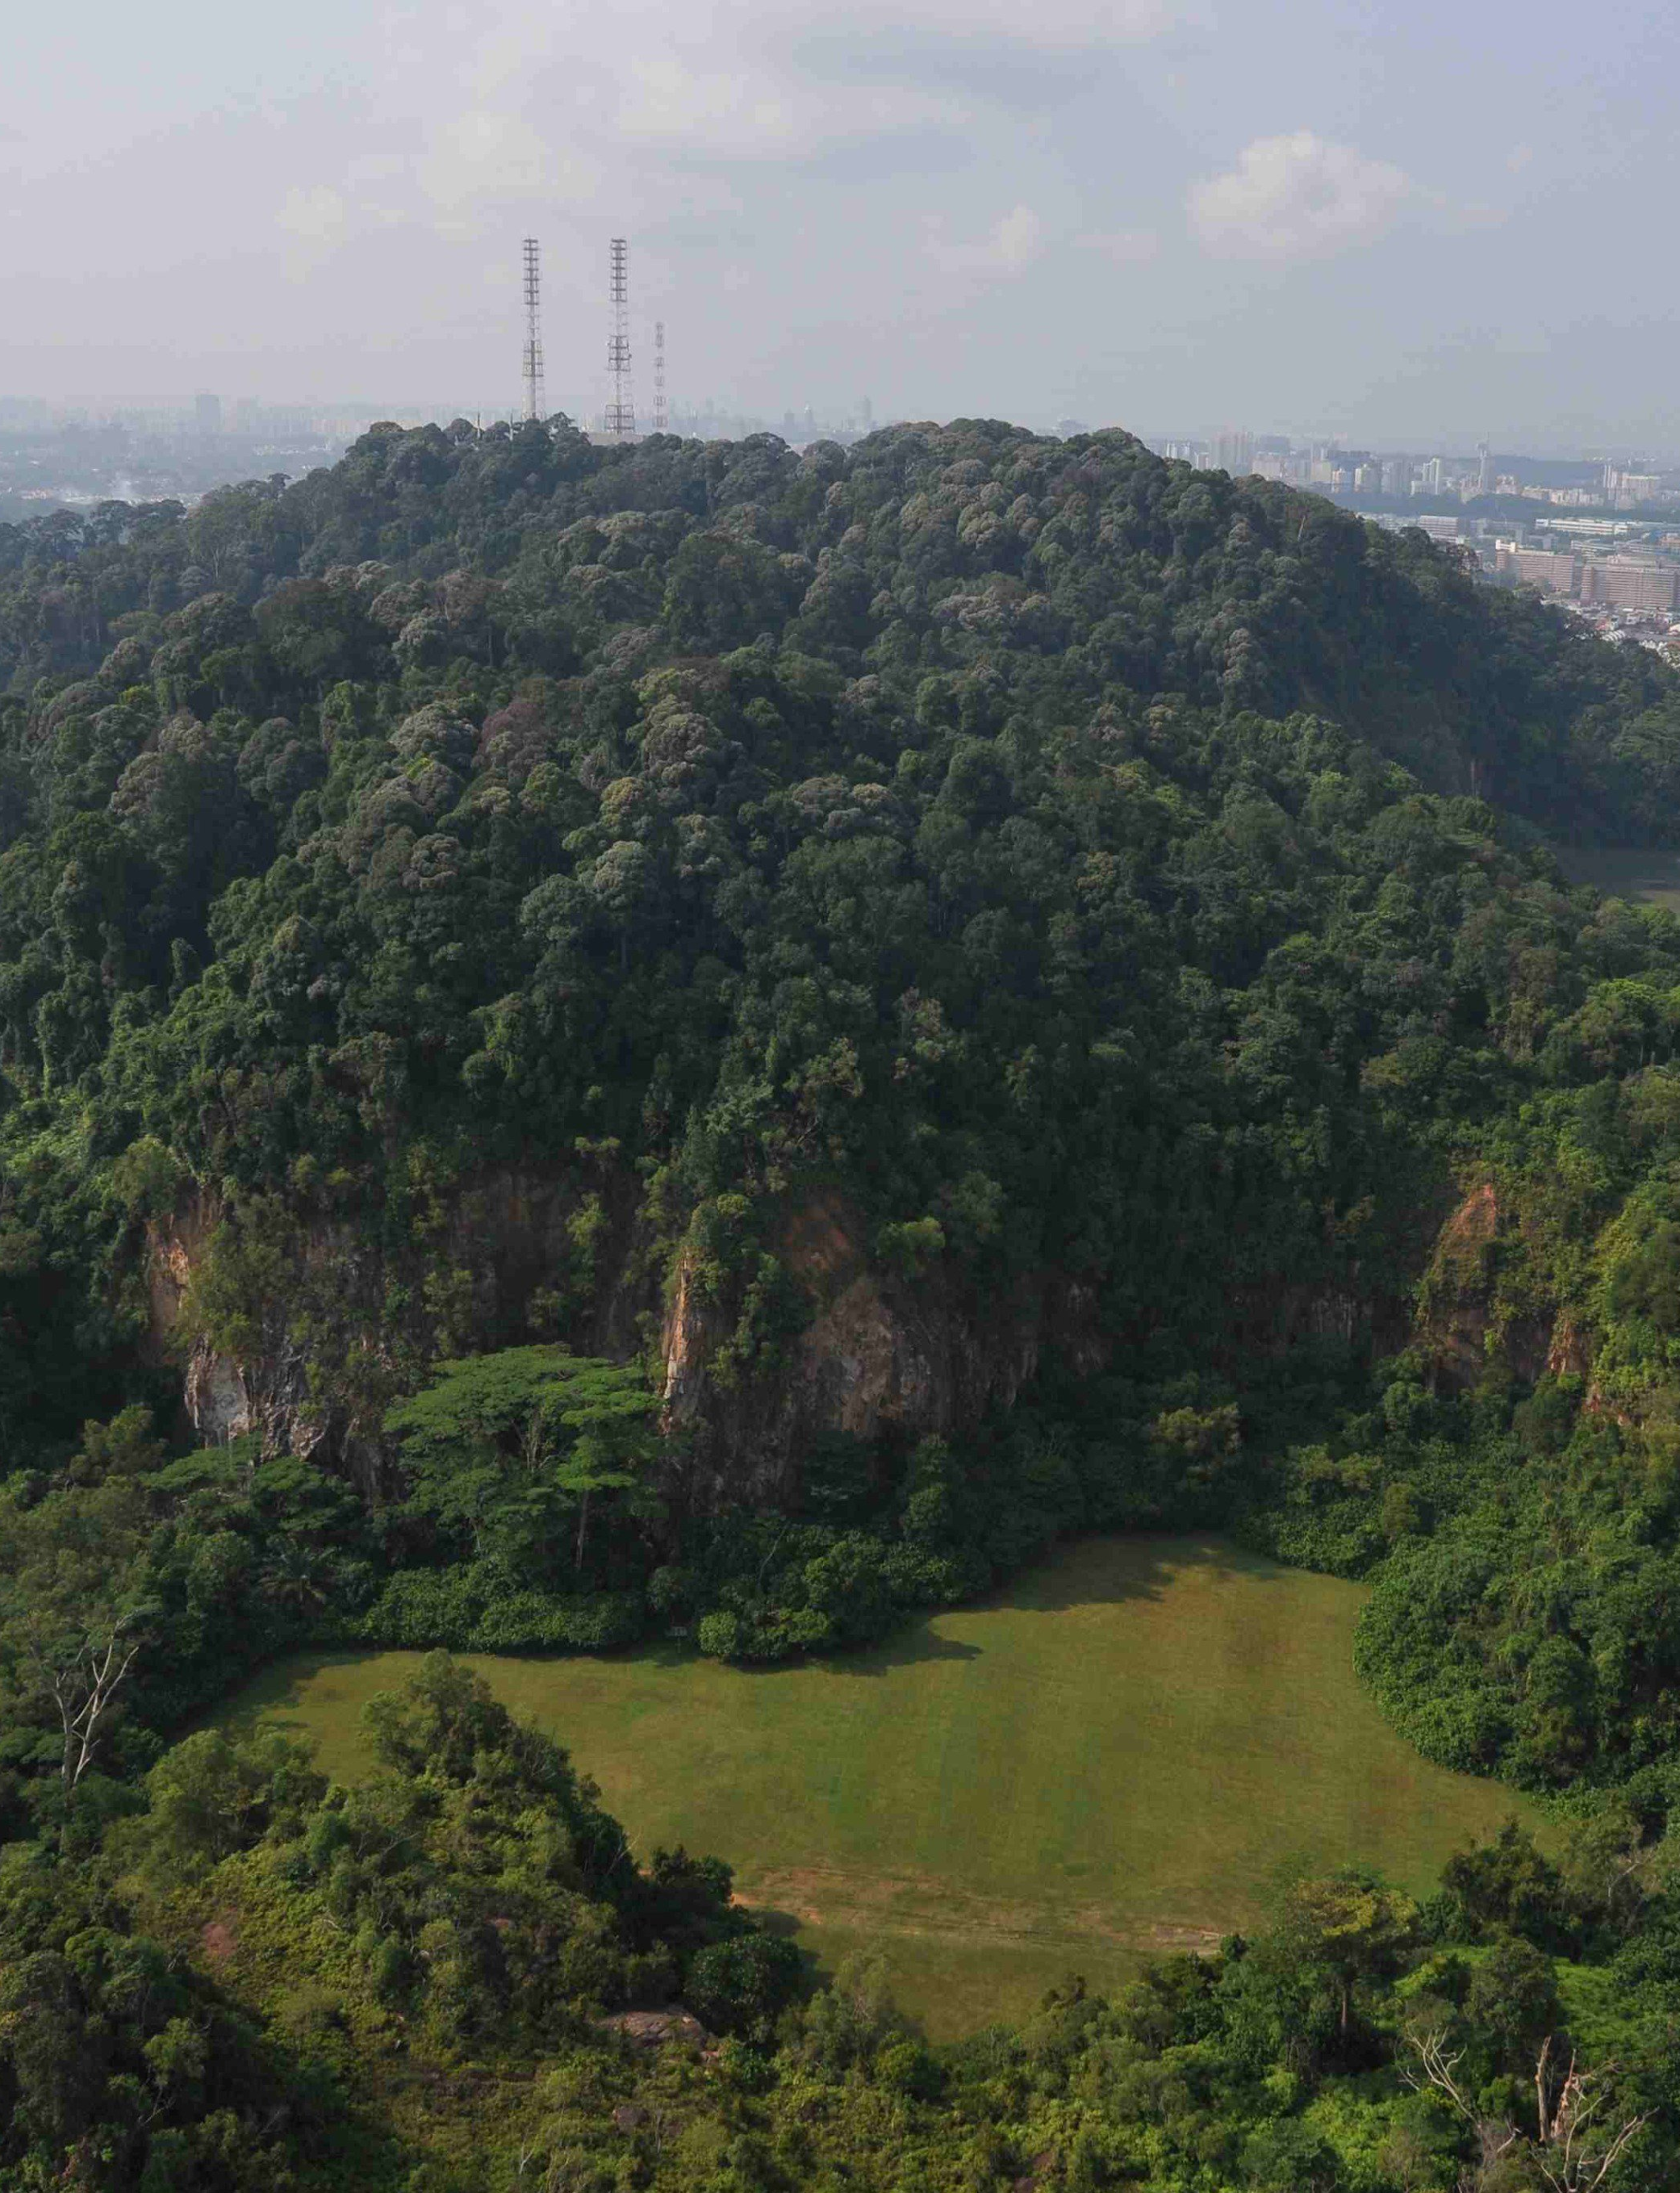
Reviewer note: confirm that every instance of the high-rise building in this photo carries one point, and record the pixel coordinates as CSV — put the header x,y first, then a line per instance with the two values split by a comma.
x,y
1484,469
206,413
1234,451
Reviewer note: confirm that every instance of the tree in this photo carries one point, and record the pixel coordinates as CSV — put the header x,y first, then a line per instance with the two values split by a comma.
x,y
500,1445
1351,1925
75,1612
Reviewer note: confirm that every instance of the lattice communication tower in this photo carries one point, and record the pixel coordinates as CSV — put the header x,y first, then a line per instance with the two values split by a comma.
x,y
621,412
535,406
661,414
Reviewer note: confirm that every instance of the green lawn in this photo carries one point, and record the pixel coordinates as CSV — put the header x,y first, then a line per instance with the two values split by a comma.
x,y
1111,1756
1652,876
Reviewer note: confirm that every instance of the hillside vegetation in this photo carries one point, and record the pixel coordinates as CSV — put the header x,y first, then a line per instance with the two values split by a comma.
x,y
697,1041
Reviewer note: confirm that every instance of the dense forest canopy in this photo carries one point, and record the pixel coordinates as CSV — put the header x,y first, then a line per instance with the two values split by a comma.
x,y
1077,897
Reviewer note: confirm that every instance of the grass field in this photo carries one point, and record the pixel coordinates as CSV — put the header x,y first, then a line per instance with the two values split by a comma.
x,y
1652,876
1111,1756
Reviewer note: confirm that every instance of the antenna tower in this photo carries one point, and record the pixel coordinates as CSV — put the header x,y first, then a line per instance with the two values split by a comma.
x,y
661,415
534,405
621,412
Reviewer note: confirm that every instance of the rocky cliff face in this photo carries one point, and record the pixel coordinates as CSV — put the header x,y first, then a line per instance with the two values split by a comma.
x,y
331,1317
313,1359
1472,1320
879,1354
341,1319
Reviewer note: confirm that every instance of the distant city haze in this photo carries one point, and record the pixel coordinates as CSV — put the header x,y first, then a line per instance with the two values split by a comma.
x,y
1420,228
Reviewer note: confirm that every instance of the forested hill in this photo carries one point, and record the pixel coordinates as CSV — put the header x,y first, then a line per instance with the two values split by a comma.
x,y
912,878
1024,571
703,1043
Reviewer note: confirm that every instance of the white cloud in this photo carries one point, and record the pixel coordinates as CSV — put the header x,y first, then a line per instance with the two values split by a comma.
x,y
653,99
480,158
1298,197
1007,248
756,110
315,216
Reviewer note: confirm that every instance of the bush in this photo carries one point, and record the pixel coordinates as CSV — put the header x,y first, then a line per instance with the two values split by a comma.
x,y
470,1608
719,1635
743,1985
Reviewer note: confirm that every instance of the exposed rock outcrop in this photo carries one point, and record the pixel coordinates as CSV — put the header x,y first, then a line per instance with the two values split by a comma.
x,y
1475,1314
360,1306
317,1356
880,1353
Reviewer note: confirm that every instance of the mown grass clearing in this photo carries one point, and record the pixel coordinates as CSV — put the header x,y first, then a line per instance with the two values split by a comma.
x,y
1111,1757
1625,873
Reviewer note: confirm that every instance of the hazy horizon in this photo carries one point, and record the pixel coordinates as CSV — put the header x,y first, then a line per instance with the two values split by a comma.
x,y
1152,213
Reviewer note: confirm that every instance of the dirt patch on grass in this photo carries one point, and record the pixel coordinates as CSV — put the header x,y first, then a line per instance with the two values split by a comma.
x,y
921,1904
218,1938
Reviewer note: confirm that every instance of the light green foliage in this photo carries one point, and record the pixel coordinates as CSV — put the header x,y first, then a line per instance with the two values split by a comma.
x,y
499,1447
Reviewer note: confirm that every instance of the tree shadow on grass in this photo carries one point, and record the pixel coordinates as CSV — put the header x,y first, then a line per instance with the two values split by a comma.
x,y
1110,1571
785,1924
915,1640
1085,1573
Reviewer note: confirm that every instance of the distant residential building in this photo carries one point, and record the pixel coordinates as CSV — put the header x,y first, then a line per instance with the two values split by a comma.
x,y
1441,528
1632,586
1554,571
206,413
1234,451
1628,489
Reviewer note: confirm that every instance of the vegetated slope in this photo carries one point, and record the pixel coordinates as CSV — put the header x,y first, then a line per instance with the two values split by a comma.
x,y
769,825
452,1977
961,549
1206,1728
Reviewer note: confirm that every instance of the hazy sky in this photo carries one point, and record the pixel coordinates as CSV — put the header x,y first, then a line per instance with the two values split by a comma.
x,y
1412,222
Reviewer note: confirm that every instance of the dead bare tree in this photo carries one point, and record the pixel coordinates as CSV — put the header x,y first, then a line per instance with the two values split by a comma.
x,y
1579,2145
82,1680
1433,2066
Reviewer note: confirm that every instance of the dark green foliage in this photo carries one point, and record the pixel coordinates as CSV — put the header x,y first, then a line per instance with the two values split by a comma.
x,y
739,1986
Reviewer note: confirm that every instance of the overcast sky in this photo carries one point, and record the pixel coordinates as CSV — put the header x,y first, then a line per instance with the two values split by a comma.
x,y
1416,223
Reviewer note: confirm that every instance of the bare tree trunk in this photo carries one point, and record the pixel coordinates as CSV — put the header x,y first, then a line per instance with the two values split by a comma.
x,y
583,1528
83,1691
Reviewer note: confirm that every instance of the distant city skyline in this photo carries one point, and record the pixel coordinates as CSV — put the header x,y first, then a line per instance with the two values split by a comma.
x,y
1221,444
